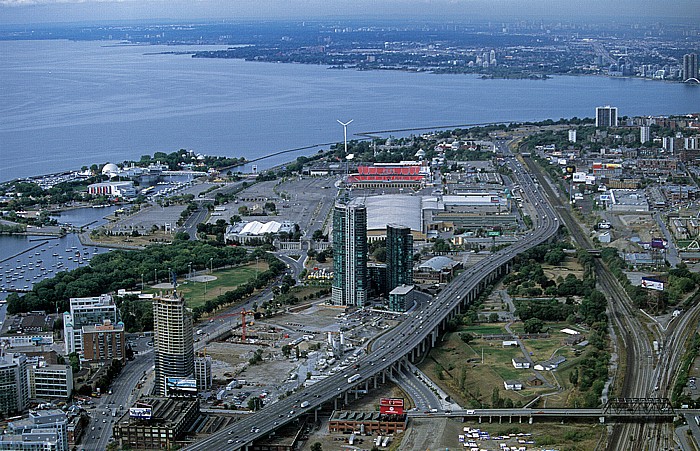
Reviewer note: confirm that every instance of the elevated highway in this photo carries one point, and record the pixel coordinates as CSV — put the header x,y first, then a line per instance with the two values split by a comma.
x,y
408,341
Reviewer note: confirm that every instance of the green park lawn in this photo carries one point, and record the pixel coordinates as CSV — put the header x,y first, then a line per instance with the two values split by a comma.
x,y
197,293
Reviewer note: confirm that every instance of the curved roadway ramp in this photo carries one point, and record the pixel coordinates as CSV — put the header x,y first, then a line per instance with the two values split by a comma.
x,y
408,340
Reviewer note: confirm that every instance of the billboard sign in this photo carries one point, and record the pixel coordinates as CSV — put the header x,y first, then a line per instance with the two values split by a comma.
x,y
175,386
141,412
391,406
605,197
652,284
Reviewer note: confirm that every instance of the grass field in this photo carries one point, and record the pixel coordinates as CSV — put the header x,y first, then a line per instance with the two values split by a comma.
x,y
471,381
197,293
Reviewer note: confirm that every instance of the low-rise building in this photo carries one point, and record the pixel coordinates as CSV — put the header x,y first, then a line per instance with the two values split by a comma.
x,y
512,385
104,342
520,363
401,298
50,381
43,430
436,270
372,423
164,427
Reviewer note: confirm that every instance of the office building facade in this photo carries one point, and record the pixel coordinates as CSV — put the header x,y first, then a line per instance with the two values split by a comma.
x,y
14,383
202,372
50,381
86,312
172,341
606,116
349,254
399,256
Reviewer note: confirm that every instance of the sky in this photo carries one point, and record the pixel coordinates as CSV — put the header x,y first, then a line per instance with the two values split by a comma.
x,y
41,11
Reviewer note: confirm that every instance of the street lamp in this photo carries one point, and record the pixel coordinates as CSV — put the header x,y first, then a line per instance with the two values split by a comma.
x,y
189,273
211,265
141,281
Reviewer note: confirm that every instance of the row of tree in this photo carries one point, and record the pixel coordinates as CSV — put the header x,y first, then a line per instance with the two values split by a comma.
x,y
117,269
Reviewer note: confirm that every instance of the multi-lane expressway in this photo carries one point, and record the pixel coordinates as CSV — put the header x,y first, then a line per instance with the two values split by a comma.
x,y
406,341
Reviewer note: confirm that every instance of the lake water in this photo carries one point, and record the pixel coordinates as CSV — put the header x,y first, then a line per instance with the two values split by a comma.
x,y
67,104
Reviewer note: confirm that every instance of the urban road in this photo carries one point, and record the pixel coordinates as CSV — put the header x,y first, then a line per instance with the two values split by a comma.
x,y
397,344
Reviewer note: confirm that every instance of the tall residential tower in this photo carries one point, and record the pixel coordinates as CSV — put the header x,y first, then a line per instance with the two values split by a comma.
x,y
606,116
349,254
173,343
399,256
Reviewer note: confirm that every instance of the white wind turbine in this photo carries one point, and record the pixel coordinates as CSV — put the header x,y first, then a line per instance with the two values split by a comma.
x,y
345,132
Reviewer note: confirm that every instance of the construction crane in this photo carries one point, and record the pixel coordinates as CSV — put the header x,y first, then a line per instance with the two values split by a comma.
x,y
245,312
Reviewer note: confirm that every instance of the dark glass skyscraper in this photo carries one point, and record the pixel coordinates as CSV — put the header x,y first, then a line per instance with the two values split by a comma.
x,y
399,256
349,254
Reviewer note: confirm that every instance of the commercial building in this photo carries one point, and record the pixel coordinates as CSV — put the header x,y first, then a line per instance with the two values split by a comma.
x,y
86,312
104,342
50,381
113,189
245,231
165,425
399,256
438,269
349,254
628,201
202,372
44,430
690,66
14,383
172,341
372,423
401,298
606,116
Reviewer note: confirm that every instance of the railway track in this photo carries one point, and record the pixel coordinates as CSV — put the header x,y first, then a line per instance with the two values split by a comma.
x,y
638,376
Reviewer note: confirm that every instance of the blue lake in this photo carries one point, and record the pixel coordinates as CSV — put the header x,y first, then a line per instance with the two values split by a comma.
x,y
67,104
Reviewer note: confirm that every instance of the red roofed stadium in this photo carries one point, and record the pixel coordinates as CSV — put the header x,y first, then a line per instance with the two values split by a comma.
x,y
407,174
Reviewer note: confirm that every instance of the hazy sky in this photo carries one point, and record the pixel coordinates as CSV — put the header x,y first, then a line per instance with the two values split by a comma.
x,y
35,11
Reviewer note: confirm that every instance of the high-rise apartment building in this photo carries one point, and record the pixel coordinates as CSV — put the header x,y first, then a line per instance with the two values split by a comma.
x,y
86,312
172,341
606,116
690,66
572,135
349,254
399,256
644,134
14,383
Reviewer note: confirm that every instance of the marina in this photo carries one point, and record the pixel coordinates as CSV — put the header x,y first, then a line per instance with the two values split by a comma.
x,y
26,260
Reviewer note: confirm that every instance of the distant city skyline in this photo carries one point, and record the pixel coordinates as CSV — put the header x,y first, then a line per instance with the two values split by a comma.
x,y
56,11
